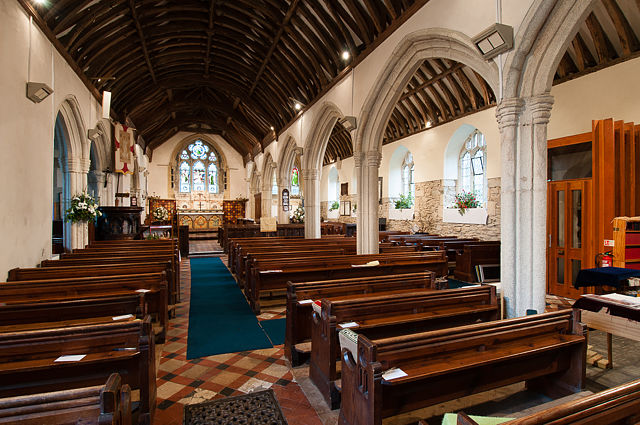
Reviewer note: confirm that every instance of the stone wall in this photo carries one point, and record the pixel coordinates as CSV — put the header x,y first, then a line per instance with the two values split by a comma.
x,y
428,211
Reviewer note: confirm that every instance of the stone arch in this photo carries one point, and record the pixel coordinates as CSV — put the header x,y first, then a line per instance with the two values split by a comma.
x,y
269,167
70,131
255,185
379,103
404,61
315,146
544,35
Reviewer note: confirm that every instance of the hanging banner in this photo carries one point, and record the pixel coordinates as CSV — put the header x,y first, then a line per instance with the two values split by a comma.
x,y
124,142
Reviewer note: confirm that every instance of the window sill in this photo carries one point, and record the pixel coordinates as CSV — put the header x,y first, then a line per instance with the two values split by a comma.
x,y
471,216
400,214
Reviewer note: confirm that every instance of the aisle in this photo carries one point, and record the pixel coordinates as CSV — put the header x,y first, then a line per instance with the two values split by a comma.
x,y
181,381
220,320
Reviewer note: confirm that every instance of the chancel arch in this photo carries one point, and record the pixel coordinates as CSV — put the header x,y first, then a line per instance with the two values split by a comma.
x,y
197,174
391,89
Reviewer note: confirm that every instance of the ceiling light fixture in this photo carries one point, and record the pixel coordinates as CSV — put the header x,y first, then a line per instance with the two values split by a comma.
x,y
428,124
272,128
297,106
41,2
345,55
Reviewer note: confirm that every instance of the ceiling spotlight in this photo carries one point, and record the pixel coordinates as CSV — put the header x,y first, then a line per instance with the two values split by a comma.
x,y
297,106
345,55
41,2
428,124
272,128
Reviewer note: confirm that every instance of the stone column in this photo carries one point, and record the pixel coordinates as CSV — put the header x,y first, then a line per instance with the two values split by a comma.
x,y
523,130
311,180
368,201
77,169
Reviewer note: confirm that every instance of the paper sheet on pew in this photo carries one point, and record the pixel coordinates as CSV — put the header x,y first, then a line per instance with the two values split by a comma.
x,y
305,302
143,291
625,300
349,341
123,317
393,373
348,325
270,271
369,264
70,358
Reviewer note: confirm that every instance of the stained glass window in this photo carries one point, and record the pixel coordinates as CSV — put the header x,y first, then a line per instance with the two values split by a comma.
x,y
471,168
199,168
185,181
213,178
295,182
198,177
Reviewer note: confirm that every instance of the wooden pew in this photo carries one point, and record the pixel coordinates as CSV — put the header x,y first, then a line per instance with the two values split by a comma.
x,y
270,279
545,350
44,310
617,405
108,404
243,264
298,320
289,260
389,315
473,254
28,366
152,285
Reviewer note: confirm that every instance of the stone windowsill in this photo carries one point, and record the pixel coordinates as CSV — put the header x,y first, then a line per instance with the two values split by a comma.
x,y
400,214
471,216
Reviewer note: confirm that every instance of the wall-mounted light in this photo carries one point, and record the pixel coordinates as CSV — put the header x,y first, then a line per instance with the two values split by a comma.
x,y
496,39
349,123
37,92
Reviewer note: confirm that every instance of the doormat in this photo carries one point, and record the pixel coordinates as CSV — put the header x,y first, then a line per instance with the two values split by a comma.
x,y
259,408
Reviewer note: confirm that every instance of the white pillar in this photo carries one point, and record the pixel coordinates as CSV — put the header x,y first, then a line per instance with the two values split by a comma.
x,y
523,130
311,180
368,202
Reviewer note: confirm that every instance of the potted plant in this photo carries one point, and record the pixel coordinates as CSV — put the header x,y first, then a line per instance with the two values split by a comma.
x,y
83,208
465,200
334,206
405,202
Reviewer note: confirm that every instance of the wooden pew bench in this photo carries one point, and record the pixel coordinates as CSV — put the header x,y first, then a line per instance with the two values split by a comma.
x,y
152,285
473,254
270,279
28,360
108,404
617,405
385,315
545,350
300,296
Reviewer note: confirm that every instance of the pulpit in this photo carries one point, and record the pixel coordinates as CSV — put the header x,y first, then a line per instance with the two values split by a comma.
x,y
118,223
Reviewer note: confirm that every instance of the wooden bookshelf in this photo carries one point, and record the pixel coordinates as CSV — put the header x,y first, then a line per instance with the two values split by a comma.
x,y
626,237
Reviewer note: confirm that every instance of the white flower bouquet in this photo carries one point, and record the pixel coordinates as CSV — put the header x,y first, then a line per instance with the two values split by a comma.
x,y
83,208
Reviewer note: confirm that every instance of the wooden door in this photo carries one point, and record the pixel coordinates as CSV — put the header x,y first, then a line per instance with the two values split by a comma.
x,y
258,206
568,239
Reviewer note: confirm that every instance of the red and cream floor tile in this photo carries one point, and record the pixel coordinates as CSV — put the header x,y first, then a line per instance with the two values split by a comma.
x,y
181,381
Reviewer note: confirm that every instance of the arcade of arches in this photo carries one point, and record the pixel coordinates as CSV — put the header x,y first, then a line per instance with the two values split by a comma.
x,y
418,114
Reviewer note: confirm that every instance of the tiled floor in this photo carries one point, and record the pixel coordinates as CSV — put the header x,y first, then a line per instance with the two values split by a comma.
x,y
181,381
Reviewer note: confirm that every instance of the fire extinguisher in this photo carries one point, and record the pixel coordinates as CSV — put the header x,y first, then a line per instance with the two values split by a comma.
x,y
605,259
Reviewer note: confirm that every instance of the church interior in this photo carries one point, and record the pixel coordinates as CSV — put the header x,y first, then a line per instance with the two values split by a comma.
x,y
353,212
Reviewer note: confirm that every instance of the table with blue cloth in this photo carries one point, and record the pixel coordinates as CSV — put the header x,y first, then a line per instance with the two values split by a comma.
x,y
599,276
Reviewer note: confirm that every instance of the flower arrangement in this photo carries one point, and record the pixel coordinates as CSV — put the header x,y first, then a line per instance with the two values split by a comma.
x,y
83,208
405,202
160,214
298,215
465,200
334,206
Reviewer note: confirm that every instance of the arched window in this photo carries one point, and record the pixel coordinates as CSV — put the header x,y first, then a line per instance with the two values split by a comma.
x,y
295,182
471,168
408,168
274,185
199,168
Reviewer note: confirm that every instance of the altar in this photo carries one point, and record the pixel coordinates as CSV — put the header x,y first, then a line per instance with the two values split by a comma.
x,y
200,219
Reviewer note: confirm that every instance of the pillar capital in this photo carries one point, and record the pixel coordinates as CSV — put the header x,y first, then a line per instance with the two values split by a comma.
x,y
358,158
508,112
373,158
540,107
